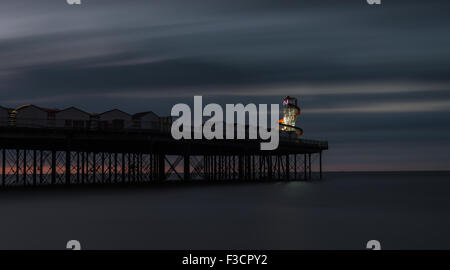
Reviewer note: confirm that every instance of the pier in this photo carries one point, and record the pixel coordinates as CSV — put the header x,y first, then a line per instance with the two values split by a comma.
x,y
59,156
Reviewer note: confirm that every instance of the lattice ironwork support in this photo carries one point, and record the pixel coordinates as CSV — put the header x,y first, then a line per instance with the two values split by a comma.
x,y
305,167
161,167
68,169
309,167
320,165
3,167
287,171
187,167
53,164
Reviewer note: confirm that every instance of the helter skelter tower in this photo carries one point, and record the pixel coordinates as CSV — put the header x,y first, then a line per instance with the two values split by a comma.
x,y
290,113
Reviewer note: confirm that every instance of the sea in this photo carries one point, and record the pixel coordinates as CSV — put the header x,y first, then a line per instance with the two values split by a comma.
x,y
343,211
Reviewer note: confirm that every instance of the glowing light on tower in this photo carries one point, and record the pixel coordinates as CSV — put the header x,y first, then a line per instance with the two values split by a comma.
x,y
290,113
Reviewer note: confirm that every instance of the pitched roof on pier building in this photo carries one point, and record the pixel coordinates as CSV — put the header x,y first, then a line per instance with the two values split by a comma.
x,y
35,116
72,117
115,118
147,120
4,116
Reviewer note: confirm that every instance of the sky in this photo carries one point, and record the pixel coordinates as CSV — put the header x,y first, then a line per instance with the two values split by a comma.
x,y
372,80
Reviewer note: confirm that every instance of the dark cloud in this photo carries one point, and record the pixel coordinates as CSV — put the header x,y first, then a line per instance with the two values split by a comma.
x,y
364,74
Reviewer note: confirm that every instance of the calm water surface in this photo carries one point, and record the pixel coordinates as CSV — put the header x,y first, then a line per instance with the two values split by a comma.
x,y
343,211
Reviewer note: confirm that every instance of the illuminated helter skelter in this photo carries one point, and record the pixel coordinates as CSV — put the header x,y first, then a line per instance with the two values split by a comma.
x,y
290,113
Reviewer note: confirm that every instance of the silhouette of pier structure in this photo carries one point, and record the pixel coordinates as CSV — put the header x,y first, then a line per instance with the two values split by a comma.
x,y
55,156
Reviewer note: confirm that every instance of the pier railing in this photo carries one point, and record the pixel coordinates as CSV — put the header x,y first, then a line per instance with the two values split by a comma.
x,y
133,126
86,124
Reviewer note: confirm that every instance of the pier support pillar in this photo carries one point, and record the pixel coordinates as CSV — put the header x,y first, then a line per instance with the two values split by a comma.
x,y
129,168
83,175
269,167
123,168
279,166
295,166
41,166
309,167
103,166
3,167
248,167
78,167
240,167
34,167
205,167
53,167
320,164
17,166
187,167
94,167
305,177
115,167
24,172
68,167
162,168
287,167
